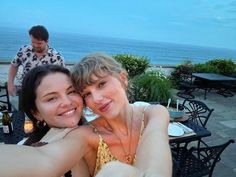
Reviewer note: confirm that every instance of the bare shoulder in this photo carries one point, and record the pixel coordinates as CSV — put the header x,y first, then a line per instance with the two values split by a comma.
x,y
158,113
83,132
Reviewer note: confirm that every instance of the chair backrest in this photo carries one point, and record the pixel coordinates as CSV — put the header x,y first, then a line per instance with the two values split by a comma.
x,y
185,80
197,111
4,97
201,161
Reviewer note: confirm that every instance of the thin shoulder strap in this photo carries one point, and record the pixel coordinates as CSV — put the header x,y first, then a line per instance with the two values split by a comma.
x,y
95,130
144,122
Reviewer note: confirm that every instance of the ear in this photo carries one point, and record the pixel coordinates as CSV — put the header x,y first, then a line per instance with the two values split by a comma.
x,y
123,79
37,115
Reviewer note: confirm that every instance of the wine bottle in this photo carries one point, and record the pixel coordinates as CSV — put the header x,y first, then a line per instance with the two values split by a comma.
x,y
7,123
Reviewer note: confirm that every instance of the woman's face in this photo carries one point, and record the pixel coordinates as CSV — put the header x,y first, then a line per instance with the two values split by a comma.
x,y
107,95
57,102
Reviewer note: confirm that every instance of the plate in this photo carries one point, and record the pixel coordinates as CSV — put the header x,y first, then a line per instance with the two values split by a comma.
x,y
175,130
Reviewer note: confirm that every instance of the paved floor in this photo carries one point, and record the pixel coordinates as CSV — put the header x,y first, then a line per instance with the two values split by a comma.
x,y
222,125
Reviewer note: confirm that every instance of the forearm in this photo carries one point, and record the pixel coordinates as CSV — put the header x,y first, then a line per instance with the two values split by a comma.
x,y
153,153
53,159
22,161
12,73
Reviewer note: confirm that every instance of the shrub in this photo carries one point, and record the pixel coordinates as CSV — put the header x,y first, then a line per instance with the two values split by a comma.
x,y
134,65
150,87
205,68
185,68
225,67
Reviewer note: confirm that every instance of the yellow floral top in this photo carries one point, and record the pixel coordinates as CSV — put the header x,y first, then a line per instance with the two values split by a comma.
x,y
104,154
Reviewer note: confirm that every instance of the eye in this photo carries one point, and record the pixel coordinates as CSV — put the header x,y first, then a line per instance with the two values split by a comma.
x,y
71,92
101,84
50,99
86,95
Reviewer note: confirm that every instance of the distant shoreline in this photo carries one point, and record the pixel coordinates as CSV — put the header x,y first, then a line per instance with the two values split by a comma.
x,y
4,69
71,64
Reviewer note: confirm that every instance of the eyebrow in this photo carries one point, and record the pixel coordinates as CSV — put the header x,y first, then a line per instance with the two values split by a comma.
x,y
51,93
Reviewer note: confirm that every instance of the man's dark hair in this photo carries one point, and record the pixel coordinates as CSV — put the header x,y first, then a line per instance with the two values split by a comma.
x,y
39,32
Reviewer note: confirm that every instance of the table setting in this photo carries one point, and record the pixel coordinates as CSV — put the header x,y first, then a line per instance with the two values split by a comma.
x,y
176,127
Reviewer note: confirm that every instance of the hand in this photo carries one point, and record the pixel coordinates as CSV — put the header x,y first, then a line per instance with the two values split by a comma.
x,y
11,89
119,169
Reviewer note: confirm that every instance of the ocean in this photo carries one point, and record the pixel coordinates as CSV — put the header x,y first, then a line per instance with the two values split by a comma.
x,y
75,46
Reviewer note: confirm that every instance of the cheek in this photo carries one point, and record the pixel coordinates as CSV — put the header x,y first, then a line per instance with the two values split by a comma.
x,y
77,100
45,110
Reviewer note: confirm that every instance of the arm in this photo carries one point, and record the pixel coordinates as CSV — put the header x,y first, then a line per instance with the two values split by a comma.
x,y
119,169
11,76
51,160
80,169
154,147
54,134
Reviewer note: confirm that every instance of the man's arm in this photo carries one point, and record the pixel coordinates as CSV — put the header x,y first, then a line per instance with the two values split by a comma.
x,y
11,76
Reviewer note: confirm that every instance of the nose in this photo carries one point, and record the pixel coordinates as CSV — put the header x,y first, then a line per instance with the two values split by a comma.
x,y
65,101
97,97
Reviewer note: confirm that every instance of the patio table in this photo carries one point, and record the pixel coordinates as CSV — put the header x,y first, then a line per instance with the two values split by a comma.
x,y
18,133
210,80
199,132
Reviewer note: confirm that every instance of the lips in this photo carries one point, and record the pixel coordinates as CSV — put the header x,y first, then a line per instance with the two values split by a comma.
x,y
104,107
68,112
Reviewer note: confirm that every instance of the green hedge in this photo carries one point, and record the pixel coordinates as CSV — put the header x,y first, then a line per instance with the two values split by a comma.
x,y
134,65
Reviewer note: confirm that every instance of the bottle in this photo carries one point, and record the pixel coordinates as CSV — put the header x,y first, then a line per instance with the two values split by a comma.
x,y
7,123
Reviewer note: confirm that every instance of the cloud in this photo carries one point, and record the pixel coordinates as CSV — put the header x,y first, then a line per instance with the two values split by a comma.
x,y
224,21
232,7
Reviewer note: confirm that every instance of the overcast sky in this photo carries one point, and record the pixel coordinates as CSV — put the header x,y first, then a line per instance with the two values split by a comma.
x,y
197,22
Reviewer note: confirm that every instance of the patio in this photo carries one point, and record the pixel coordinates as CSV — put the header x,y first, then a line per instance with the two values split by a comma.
x,y
222,125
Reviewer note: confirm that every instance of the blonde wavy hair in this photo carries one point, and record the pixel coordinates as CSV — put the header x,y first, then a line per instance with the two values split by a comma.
x,y
97,64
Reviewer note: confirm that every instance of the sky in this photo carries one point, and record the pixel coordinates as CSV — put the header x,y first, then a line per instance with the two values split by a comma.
x,y
210,23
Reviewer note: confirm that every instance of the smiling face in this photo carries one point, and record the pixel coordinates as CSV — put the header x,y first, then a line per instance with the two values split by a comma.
x,y
107,95
57,102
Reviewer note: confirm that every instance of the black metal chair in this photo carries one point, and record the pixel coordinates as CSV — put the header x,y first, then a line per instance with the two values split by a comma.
x,y
186,86
197,111
4,97
226,88
197,162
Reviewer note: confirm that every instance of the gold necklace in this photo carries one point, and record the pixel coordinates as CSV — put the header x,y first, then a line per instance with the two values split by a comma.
x,y
128,156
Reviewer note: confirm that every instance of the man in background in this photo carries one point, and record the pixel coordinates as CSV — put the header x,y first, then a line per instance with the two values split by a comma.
x,y
30,56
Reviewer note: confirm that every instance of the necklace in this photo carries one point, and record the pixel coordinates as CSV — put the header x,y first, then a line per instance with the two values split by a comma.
x,y
128,156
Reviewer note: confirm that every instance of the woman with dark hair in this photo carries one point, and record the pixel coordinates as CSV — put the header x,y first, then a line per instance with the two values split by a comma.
x,y
50,106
